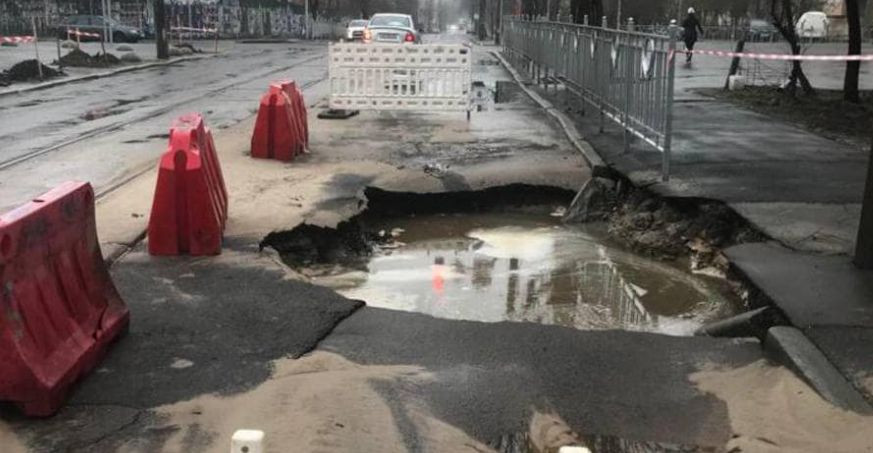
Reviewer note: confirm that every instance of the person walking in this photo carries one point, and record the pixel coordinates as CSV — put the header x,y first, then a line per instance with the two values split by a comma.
x,y
690,26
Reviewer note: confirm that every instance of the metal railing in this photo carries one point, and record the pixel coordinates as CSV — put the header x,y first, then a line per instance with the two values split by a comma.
x,y
628,77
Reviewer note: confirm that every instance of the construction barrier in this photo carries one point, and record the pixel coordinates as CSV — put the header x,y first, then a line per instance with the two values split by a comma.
x,y
59,310
16,39
281,130
423,77
76,32
189,210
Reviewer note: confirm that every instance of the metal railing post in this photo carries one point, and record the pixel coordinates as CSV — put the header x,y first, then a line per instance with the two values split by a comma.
x,y
628,91
668,126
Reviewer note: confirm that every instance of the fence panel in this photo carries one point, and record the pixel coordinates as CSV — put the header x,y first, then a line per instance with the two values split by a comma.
x,y
400,77
627,76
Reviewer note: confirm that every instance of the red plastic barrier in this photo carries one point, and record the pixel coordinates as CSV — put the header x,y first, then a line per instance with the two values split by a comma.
x,y
189,210
281,130
299,107
59,310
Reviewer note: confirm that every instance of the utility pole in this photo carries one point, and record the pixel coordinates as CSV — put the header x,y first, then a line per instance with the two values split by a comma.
x,y
306,20
618,16
499,35
483,13
864,245
160,30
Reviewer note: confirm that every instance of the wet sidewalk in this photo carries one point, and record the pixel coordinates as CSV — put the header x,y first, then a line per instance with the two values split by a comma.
x,y
802,190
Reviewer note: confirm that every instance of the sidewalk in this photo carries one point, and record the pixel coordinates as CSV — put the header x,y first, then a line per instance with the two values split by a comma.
x,y
802,190
48,54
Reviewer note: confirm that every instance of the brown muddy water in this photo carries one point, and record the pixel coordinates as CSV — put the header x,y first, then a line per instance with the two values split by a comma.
x,y
526,267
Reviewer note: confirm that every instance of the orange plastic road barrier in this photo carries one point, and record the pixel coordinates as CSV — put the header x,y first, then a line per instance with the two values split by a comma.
x,y
189,210
59,310
299,107
281,130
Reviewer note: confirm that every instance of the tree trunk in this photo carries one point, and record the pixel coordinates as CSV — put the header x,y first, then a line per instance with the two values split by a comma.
x,y
864,245
783,20
592,8
160,30
853,68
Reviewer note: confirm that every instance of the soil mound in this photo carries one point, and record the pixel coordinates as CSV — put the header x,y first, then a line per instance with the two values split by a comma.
x,y
25,71
79,58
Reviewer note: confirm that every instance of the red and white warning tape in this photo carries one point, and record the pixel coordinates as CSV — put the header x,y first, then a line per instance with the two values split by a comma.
x,y
781,56
71,32
194,30
16,39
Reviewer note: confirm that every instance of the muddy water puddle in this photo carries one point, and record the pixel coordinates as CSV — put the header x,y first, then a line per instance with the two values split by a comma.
x,y
526,267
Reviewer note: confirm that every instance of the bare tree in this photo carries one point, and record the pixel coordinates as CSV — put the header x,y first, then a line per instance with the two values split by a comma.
x,y
782,15
592,8
853,68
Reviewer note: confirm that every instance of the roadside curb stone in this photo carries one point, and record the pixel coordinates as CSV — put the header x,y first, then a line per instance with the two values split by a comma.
x,y
789,346
598,166
101,75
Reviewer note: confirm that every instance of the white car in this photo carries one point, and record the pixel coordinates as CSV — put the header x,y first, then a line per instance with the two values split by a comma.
x,y
812,25
391,28
355,30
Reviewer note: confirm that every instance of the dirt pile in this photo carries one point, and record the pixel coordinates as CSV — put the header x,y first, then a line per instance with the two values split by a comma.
x,y
25,71
664,228
81,59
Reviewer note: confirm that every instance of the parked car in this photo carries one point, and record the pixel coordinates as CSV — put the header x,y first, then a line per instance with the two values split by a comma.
x,y
355,29
812,25
95,24
391,28
762,30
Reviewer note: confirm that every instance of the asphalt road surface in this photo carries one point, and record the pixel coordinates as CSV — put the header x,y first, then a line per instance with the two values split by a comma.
x,y
110,129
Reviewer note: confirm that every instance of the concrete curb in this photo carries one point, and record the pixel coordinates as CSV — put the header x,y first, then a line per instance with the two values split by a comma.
x,y
114,251
101,75
789,346
598,166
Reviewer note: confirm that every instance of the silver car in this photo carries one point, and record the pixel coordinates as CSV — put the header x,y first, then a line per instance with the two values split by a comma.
x,y
391,28
355,30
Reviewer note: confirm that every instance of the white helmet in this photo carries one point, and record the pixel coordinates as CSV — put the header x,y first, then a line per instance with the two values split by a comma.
x,y
691,10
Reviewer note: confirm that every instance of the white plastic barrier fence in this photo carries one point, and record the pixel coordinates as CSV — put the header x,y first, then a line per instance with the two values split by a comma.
x,y
423,77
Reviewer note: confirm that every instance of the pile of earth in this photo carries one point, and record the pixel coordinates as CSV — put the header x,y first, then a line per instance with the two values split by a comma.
x,y
79,58
25,71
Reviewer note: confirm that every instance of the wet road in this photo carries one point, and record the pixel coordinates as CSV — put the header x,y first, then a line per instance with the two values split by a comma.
x,y
109,129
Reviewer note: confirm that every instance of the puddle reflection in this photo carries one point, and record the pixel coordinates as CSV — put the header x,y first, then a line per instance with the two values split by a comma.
x,y
530,268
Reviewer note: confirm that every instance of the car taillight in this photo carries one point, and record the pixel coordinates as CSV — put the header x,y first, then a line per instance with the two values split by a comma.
x,y
409,37
368,35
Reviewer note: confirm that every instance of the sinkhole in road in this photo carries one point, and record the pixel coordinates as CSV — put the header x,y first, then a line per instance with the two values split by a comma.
x,y
518,263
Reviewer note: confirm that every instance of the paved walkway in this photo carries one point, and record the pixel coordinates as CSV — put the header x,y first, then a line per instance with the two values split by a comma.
x,y
802,190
